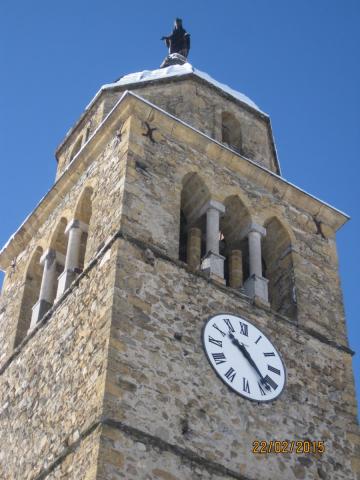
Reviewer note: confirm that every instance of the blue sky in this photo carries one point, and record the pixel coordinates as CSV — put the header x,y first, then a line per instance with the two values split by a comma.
x,y
298,60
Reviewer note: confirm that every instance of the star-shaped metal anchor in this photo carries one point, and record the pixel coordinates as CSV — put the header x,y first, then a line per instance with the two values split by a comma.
x,y
149,132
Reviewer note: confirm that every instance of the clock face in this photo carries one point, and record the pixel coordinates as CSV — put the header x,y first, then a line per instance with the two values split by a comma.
x,y
243,357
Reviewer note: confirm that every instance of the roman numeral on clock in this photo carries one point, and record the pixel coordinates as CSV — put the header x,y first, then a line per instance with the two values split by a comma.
x,y
271,382
244,329
219,358
218,329
258,340
246,387
230,374
262,391
273,369
269,354
215,342
229,325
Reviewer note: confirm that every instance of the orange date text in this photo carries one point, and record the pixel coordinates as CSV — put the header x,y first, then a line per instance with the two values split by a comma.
x,y
288,446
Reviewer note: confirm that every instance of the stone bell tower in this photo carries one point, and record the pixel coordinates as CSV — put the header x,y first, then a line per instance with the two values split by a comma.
x,y
169,208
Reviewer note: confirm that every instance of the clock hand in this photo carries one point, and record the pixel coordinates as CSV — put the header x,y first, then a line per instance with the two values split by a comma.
x,y
248,357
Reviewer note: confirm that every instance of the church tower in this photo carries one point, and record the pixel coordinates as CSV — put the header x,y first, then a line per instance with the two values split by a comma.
x,y
172,307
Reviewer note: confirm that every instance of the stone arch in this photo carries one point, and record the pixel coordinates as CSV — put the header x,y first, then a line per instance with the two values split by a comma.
x,y
278,265
83,213
76,148
233,241
58,239
58,244
231,131
83,209
194,195
32,284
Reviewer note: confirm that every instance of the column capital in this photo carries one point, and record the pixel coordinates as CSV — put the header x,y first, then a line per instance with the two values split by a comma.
x,y
211,205
253,227
51,255
74,223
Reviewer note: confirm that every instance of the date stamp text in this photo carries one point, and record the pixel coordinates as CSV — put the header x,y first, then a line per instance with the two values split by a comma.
x,y
288,446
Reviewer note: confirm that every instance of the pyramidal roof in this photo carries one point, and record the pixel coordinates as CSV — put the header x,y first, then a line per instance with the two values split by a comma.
x,y
178,71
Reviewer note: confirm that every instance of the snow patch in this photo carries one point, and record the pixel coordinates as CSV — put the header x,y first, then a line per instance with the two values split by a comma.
x,y
177,71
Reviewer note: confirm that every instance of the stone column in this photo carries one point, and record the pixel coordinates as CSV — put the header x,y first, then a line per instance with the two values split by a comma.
x,y
74,230
256,286
212,229
255,259
235,269
213,262
50,259
194,247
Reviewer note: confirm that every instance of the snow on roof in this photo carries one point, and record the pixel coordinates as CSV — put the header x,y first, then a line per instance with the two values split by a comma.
x,y
177,71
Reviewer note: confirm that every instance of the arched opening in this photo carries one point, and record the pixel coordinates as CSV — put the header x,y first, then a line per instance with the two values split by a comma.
x,y
76,148
279,268
233,242
194,195
83,212
58,244
231,131
58,241
30,295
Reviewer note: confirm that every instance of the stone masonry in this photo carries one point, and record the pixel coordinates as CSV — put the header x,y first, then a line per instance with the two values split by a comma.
x,y
112,381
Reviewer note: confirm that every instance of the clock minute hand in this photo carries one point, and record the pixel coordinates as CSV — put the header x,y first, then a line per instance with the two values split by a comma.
x,y
248,357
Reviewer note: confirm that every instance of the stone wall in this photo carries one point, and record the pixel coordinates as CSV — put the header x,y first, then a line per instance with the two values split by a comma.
x,y
103,174
194,102
202,107
81,462
85,128
155,173
127,453
52,389
161,383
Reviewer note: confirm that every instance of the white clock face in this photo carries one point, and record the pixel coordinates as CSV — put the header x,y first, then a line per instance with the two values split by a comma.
x,y
243,357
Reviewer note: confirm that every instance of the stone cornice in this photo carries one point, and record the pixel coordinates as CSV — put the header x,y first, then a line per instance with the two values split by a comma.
x,y
217,152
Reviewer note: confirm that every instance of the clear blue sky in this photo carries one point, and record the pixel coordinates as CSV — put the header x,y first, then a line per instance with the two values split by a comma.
x,y
298,60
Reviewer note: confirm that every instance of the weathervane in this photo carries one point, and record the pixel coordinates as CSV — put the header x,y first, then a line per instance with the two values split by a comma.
x,y
178,44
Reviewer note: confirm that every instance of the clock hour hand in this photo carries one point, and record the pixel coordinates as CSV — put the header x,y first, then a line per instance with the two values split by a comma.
x,y
248,357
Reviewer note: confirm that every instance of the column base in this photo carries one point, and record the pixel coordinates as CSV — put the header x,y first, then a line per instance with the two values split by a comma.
x,y
64,280
257,288
38,311
214,265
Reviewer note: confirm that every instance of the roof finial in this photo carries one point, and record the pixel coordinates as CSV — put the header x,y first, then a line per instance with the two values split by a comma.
x,y
178,44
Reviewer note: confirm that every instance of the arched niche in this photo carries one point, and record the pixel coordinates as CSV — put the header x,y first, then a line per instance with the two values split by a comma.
x,y
231,131
58,240
194,195
58,243
83,212
76,148
278,267
232,239
83,209
30,295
